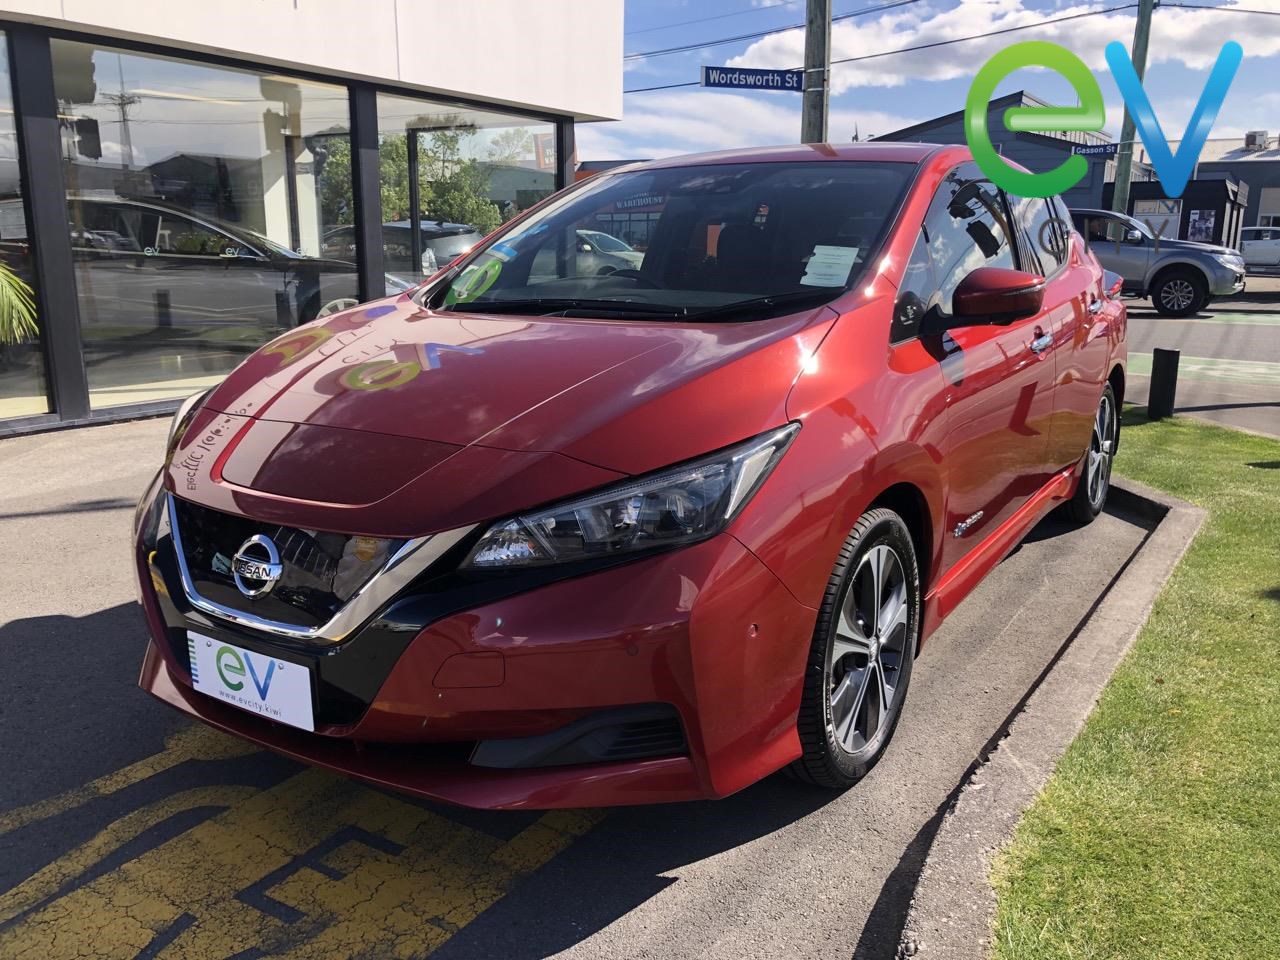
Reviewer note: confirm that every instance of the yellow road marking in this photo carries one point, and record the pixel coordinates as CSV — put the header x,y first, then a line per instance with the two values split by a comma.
x,y
314,867
189,743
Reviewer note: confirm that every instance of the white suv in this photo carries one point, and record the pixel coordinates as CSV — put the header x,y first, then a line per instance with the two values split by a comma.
x,y
1261,246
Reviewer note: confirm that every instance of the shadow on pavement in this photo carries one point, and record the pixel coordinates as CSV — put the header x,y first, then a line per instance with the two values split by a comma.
x,y
85,506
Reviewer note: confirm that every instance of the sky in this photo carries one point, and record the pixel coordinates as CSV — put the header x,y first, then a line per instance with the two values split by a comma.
x,y
887,93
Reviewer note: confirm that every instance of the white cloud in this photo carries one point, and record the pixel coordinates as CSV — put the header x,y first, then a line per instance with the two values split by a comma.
x,y
662,124
1189,37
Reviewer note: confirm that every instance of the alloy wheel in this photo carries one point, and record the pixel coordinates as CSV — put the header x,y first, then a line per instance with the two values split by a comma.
x,y
337,306
1177,294
1102,449
868,648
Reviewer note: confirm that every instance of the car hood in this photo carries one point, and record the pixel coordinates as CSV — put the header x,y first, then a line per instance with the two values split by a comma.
x,y
1192,246
457,417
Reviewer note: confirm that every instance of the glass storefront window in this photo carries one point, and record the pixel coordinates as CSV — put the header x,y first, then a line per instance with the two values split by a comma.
x,y
475,170
23,391
199,201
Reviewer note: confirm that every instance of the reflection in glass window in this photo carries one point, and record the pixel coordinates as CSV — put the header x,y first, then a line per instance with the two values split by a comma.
x,y
198,200
965,227
1047,247
22,377
471,171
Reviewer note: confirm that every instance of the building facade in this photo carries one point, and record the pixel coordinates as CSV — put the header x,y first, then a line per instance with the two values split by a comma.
x,y
1253,161
1035,151
181,183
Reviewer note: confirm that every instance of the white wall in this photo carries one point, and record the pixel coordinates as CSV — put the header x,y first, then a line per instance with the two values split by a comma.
x,y
561,56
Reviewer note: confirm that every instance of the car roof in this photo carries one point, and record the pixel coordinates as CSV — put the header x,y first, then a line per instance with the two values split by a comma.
x,y
433,225
873,151
242,234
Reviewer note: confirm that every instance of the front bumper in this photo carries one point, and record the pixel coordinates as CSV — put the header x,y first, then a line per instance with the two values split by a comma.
x,y
1224,281
707,633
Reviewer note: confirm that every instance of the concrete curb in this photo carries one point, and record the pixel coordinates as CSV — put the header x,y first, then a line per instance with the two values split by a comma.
x,y
953,905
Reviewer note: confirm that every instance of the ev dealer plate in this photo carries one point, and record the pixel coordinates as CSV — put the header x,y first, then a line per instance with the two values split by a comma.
x,y
276,689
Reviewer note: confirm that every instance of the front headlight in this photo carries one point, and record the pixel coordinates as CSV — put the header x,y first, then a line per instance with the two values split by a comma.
x,y
676,506
1231,261
182,419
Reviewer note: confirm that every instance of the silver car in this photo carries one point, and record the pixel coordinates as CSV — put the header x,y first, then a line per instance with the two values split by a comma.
x,y
1181,277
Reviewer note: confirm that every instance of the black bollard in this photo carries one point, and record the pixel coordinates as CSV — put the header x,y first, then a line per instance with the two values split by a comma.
x,y
1164,383
164,313
284,316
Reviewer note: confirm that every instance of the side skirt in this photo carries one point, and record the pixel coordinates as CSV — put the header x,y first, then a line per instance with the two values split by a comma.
x,y
969,571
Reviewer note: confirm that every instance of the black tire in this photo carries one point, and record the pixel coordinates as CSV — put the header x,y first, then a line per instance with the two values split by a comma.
x,y
1091,492
839,758
1179,292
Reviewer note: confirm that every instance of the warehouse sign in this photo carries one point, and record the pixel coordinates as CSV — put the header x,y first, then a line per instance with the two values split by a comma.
x,y
746,78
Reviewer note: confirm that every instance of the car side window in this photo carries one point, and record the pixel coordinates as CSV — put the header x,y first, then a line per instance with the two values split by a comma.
x,y
915,292
1042,237
966,228
1106,230
178,235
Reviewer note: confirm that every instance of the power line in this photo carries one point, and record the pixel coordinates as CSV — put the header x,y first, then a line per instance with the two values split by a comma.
x,y
983,36
923,46
763,33
718,16
1206,6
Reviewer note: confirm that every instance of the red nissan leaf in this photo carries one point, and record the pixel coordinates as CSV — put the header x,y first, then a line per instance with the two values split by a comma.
x,y
555,530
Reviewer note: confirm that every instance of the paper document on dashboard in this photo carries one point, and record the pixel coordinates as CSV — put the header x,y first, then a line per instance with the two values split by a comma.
x,y
829,266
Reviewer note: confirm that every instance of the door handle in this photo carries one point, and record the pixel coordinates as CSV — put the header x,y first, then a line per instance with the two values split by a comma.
x,y
1095,306
1042,343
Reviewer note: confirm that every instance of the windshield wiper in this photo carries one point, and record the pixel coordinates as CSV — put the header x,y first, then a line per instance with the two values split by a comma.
x,y
544,306
796,298
651,311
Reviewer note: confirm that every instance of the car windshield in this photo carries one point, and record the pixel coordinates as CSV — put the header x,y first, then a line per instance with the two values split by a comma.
x,y
725,241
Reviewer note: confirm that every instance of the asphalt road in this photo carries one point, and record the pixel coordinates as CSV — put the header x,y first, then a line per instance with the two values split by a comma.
x,y
1229,368
126,831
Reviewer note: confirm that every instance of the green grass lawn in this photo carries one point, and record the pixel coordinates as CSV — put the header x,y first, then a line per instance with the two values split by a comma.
x,y
1159,834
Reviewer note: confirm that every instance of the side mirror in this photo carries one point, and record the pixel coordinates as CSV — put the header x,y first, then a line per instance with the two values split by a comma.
x,y
996,295
1112,283
1132,236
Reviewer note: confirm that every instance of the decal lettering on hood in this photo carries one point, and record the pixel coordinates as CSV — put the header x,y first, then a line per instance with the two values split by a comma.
x,y
384,374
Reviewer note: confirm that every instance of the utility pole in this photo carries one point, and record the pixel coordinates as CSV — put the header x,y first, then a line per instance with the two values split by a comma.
x,y
1124,154
817,71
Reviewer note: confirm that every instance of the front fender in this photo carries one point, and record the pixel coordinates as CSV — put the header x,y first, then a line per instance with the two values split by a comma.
x,y
873,419
1175,260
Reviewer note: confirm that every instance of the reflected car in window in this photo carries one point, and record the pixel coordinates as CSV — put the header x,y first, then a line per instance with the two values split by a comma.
x,y
152,276
542,535
440,243
609,244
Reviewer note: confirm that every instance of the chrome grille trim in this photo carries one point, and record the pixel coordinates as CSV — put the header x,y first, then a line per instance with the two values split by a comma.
x,y
411,559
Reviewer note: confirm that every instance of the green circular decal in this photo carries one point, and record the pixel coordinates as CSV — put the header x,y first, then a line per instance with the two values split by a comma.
x,y
380,374
475,280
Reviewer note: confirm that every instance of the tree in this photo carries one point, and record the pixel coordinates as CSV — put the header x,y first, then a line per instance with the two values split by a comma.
x,y
461,198
450,187
511,146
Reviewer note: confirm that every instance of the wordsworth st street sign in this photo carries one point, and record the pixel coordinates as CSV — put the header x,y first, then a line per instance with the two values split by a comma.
x,y
748,78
